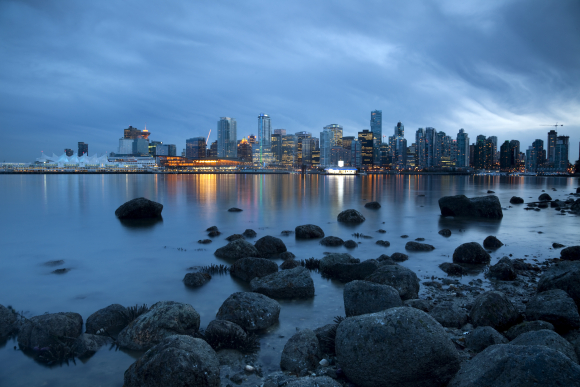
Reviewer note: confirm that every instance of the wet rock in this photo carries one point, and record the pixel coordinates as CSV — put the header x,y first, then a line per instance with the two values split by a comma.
x,y
289,264
249,233
453,269
346,272
399,277
226,333
204,241
516,200
503,270
399,257
556,307
247,269
547,338
544,197
164,318
462,206
382,231
350,244
196,279
471,252
482,337
417,303
416,246
113,318
234,237
40,331
301,352
445,232
571,253
139,208
373,205
212,228
270,246
383,243
421,240
517,366
237,249
251,311
491,242
543,205
309,231
331,241
61,271
317,381
563,275
527,326
329,262
557,245
350,216
234,209
449,315
575,207
176,361
287,255
326,335
380,349
494,309
8,320
87,344
490,191
213,234
286,284
404,236
362,297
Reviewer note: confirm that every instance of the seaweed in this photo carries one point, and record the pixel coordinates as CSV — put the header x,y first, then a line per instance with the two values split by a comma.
x,y
310,263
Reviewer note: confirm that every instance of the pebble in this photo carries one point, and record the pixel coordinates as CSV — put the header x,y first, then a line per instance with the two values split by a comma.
x,y
323,362
249,368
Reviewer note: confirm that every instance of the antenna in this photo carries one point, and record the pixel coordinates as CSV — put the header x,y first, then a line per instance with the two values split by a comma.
x,y
555,126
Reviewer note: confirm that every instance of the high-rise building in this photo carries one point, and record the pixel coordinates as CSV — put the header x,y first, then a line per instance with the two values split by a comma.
x,y
326,143
140,147
561,153
83,149
365,138
551,146
462,149
505,157
420,149
308,146
494,156
171,150
69,152
347,141
336,133
281,132
386,156
277,146
196,148
355,154
300,138
245,151
289,149
432,155
377,129
213,149
398,145
161,150
227,137
480,152
264,143
538,155
252,139
153,147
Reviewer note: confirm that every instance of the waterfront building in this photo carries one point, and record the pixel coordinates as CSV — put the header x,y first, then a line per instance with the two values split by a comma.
x,y
514,153
365,138
227,137
462,149
162,150
125,146
336,134
316,157
69,152
398,145
83,149
195,148
386,161
347,141
551,146
252,139
213,149
245,151
277,146
539,153
494,153
420,149
561,160
281,132
338,153
411,156
377,129
326,143
289,149
264,142
472,155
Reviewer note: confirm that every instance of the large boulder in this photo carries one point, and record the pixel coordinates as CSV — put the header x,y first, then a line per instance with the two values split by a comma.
x,y
48,329
177,361
164,318
416,246
482,337
309,231
113,318
251,311
462,206
565,276
399,257
269,246
7,321
346,272
362,297
247,269
249,233
399,277
328,263
301,352
449,315
471,252
527,326
549,339
237,249
516,200
350,216
503,270
291,283
544,197
400,347
195,280
517,366
491,242
139,208
556,307
571,253
331,241
494,309
229,335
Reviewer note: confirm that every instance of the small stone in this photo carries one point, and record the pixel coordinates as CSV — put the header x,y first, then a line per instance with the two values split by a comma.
x,y
445,232
324,363
249,368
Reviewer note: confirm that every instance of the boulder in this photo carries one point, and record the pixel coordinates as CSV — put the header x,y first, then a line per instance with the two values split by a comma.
x,y
331,241
556,307
270,246
544,197
40,331
237,249
400,347
226,333
571,253
350,216
492,242
503,270
87,344
506,365
234,209
291,283
8,320
516,200
399,257
301,352
164,318
399,277
471,252
213,234
453,269
557,245
482,337
383,243
490,191
247,269
346,272
350,244
251,311
549,339
113,318
527,326
249,233
462,206
416,246
326,335
565,276
139,208
234,237
287,255
195,280
289,264
445,232
177,361
328,263
362,297
449,315
373,205
417,303
212,228
494,309
309,231
543,205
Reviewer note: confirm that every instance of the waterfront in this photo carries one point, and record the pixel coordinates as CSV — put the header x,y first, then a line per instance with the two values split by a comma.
x,y
71,217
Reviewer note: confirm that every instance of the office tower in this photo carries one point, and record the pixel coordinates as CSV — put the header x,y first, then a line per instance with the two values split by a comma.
x,y
153,147
377,130
355,154
213,149
531,159
398,145
514,153
133,133
347,141
326,143
480,152
69,152
431,152
505,157
161,150
420,150
195,148
140,147
83,149
472,155
336,132
365,138
462,149
308,145
551,146
386,156
277,146
245,151
264,141
300,138
281,132
538,155
289,149
227,137
561,153
172,150
495,154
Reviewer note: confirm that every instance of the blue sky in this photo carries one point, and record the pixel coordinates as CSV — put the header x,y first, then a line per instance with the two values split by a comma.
x,y
84,70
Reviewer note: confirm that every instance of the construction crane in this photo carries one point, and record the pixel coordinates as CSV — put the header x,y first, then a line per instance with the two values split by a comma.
x,y
555,126
207,141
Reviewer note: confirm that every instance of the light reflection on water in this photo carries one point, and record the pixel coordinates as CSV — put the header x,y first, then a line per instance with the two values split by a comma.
x,y
71,217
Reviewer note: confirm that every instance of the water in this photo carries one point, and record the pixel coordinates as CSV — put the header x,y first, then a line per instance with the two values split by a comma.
x,y
71,217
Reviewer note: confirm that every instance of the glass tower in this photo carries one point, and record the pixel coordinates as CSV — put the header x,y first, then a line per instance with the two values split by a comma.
x,y
227,137
264,142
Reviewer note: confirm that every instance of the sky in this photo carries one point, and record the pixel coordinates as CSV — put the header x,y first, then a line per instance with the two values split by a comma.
x,y
75,71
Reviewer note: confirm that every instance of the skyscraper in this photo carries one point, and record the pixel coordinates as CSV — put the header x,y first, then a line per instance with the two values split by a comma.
x,y
551,146
561,153
431,153
420,151
264,141
277,147
289,149
326,143
301,137
505,157
195,148
365,138
83,149
227,137
462,149
377,129
479,153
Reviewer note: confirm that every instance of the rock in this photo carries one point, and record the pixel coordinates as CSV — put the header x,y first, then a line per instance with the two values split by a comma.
x,y
234,237
449,315
462,206
87,344
249,233
404,236
373,205
350,244
544,197
421,240
549,339
291,283
176,361
328,263
445,232
113,319
204,241
453,269
573,338
399,277
482,337
417,303
527,326
362,297
571,253
237,249
251,311
235,209
399,257
213,234
517,366
416,246
287,255
543,205
289,264
563,275
331,241
226,334
575,207
471,252
139,208
8,320
503,270
383,243
490,191
556,307
301,352
212,228
196,279
557,245
247,269
350,216
492,242
309,231
382,231
39,331
164,318
346,272
270,246
61,271
317,381
382,349
516,200
325,336
494,309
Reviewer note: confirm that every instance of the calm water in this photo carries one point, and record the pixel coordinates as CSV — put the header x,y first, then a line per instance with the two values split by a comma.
x,y
71,217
